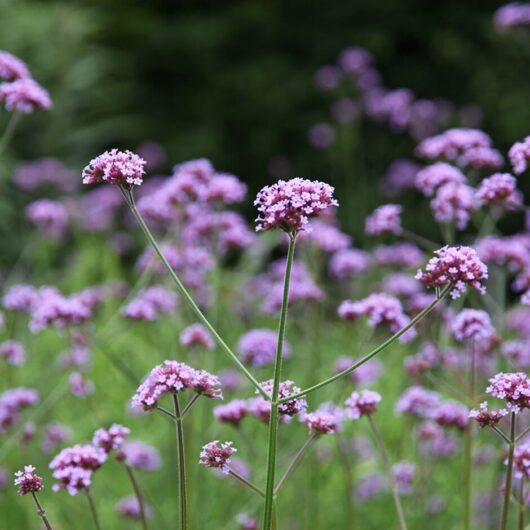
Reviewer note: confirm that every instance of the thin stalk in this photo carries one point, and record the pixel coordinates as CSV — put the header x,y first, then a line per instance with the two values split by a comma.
x,y
427,244
509,475
9,131
388,469
41,512
296,461
501,434
166,412
522,435
273,420
92,509
183,494
374,352
139,497
522,505
186,295
468,458
246,482
189,405
348,481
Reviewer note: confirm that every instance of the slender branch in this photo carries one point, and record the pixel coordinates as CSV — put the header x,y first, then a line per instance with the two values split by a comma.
x,y
273,420
9,131
377,350
139,497
296,461
189,405
522,435
468,457
522,505
427,244
186,295
388,469
92,508
183,494
246,482
41,512
166,412
509,475
348,481
501,434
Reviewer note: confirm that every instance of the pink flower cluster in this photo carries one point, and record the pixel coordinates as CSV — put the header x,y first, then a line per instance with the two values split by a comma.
x,y
29,176
217,455
150,303
27,481
457,266
287,388
232,412
197,335
12,402
13,352
140,455
500,190
173,377
349,263
512,15
289,205
472,324
327,419
110,439
433,177
120,168
521,461
257,347
384,220
362,403
130,507
50,216
513,388
519,153
511,252
12,68
454,203
418,401
24,95
485,417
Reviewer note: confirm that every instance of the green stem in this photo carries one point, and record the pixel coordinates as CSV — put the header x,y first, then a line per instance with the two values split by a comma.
x,y
183,493
41,512
9,131
246,482
186,295
348,481
509,475
377,350
93,509
189,405
139,497
468,459
522,505
273,420
295,461
388,469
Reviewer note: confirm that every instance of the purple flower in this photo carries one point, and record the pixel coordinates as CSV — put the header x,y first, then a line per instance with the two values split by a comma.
x,y
326,236
485,417
457,266
290,204
112,438
349,263
216,455
521,461
345,110
286,390
130,507
258,347
362,403
24,95
418,401
481,157
403,473
120,168
370,486
54,435
473,324
501,190
327,419
510,252
150,303
365,374
454,203
246,522
451,414
517,352
519,154
433,177
29,176
512,15
12,68
399,254
197,335
384,220
13,352
401,284
80,386
20,298
327,77
400,175
141,455
225,189
321,135
232,412
452,144
514,388
50,216
27,481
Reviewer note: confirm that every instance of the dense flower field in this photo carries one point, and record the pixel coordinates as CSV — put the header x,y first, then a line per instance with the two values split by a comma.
x,y
167,364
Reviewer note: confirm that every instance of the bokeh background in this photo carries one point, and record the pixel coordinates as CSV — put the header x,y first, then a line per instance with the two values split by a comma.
x,y
234,82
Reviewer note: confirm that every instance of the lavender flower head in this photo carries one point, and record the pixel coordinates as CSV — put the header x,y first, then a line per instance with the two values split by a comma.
x,y
454,203
12,68
501,190
452,144
433,177
24,95
485,417
120,168
521,461
27,481
289,205
451,414
349,263
50,216
519,155
232,412
54,434
258,347
217,455
384,220
197,335
327,419
13,352
130,507
473,324
287,389
403,473
512,15
458,266
112,438
141,455
513,388
362,403
418,401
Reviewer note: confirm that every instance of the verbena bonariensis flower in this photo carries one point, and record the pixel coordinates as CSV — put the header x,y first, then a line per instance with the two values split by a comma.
x,y
197,335
140,455
521,461
246,522
517,352
173,377
326,236
452,144
29,176
12,402
50,216
451,414
401,284
321,135
289,205
54,434
24,95
519,155
399,254
362,403
499,190
12,68
433,177
130,507
349,263
418,401
473,324
13,352
435,442
512,15
485,417
257,347
79,385
513,388
458,266
232,412
112,438
327,419
370,486
27,481
511,252
384,220
400,175
217,455
327,77
454,203
150,303
381,309
403,473
20,298
287,388
73,467
120,168
481,158
368,373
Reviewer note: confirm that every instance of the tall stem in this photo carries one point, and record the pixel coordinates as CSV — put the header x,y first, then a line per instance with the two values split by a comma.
x,y
509,475
388,470
348,481
41,512
183,494
138,494
93,509
295,462
522,505
186,295
377,350
273,420
9,131
469,445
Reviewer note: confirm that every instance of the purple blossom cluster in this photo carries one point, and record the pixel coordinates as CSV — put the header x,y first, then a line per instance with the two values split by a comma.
x,y
513,388
349,263
27,481
110,439
24,95
29,176
257,347
361,403
217,455
486,417
13,352
119,168
12,402
499,190
384,220
12,68
49,216
150,303
327,419
197,335
140,455
512,15
130,507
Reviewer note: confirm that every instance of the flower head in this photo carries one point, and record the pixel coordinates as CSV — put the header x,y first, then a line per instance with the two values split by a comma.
x,y
197,335
217,455
433,177
514,388
512,15
384,220
500,189
112,438
458,266
327,419
473,324
24,95
519,154
403,473
140,455
13,352
289,205
12,68
485,417
130,507
286,390
232,412
27,481
120,168
258,347
362,403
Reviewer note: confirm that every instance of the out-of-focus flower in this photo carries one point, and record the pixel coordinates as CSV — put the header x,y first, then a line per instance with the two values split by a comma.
x,y
366,374
130,507
510,252
399,254
403,473
257,347
12,402
141,455
454,203
362,403
246,522
451,414
232,412
197,335
13,352
120,168
512,15
29,176
50,216
349,263
27,481
485,417
327,77
54,434
519,153
370,486
521,461
321,135
384,220
80,386
24,95
481,158
500,190
150,303
517,352
418,401
433,177
473,324
217,455
452,144
286,389
12,68
327,419
110,439
400,176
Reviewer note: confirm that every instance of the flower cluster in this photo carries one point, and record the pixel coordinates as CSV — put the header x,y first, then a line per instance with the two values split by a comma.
x,y
13,352
12,402
485,417
431,178
49,216
150,303
362,403
140,455
24,95
110,439
327,419
384,220
130,507
349,263
217,455
519,154
11,67
473,324
286,390
257,347
512,15
500,190
232,412
27,481
418,401
120,168
197,335
513,388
